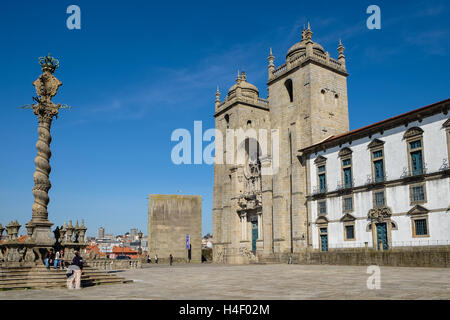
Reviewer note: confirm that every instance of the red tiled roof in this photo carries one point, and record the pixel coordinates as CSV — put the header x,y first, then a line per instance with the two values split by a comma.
x,y
93,248
376,124
125,250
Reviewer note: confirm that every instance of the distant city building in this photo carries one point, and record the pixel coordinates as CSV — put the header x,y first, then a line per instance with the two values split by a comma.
x,y
109,237
134,233
101,233
123,251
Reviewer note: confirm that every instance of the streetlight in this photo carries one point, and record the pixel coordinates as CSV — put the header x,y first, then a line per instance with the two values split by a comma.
x,y
140,241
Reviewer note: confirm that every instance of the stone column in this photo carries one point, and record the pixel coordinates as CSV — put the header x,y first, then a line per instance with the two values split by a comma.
x,y
260,235
46,87
244,225
267,229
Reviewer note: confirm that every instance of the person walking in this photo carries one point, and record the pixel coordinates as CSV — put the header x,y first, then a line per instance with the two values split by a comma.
x,y
170,259
74,272
156,258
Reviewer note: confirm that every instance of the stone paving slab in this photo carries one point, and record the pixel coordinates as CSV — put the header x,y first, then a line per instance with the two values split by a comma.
x,y
275,281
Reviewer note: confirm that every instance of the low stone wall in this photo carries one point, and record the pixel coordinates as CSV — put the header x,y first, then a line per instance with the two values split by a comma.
x,y
112,264
398,257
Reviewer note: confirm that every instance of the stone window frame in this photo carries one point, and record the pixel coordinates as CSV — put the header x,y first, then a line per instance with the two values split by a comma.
x,y
394,225
374,199
419,212
411,135
322,222
346,154
374,146
411,195
318,207
349,220
321,161
446,125
343,203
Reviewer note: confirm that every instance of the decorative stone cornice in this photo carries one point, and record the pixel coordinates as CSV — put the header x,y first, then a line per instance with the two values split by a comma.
x,y
412,132
258,103
418,210
321,220
375,143
345,152
302,60
320,160
347,217
380,214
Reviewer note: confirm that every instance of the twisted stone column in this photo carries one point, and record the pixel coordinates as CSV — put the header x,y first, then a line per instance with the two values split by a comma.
x,y
41,176
46,87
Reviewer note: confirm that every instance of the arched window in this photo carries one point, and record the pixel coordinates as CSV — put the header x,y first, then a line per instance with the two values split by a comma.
x,y
289,88
227,119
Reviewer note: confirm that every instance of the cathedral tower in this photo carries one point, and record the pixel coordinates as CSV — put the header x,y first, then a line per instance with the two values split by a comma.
x,y
308,103
237,204
264,217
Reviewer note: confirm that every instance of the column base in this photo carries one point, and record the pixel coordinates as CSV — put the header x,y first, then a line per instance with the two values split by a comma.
x,y
42,234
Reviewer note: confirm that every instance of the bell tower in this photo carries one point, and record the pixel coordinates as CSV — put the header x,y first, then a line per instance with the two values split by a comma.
x,y
237,199
308,103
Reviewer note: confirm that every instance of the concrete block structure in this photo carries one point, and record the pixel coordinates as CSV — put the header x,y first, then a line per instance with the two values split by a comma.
x,y
171,218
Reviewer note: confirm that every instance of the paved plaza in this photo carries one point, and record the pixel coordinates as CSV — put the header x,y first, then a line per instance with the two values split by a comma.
x,y
277,281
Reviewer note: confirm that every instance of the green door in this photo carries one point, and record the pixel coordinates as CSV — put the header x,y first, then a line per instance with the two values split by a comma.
x,y
254,234
382,235
324,242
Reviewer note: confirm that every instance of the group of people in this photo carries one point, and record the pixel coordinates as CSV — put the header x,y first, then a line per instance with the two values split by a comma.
x,y
149,260
54,259
73,271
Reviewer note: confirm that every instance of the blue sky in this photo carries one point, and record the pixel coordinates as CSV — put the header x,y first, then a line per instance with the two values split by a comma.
x,y
137,70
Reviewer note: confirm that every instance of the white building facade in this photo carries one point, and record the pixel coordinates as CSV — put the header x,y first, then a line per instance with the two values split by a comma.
x,y
383,186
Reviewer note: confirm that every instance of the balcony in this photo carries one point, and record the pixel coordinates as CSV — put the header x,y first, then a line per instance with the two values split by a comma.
x,y
413,173
319,190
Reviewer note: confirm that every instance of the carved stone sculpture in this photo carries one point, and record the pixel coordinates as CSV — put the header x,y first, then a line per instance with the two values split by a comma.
x,y
379,214
46,87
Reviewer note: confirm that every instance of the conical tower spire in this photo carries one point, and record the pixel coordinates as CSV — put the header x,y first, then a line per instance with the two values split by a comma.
x,y
271,67
307,33
341,57
217,102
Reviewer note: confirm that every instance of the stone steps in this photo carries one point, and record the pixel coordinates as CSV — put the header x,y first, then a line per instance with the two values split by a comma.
x,y
41,277
60,284
47,272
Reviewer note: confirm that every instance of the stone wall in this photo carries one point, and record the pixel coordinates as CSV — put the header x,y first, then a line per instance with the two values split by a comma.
x,y
113,264
170,219
438,256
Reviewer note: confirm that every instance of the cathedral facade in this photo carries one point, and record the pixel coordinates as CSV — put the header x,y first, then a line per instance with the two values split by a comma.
x,y
268,217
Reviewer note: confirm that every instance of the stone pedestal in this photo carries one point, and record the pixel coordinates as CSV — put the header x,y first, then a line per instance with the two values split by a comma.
x,y
42,234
